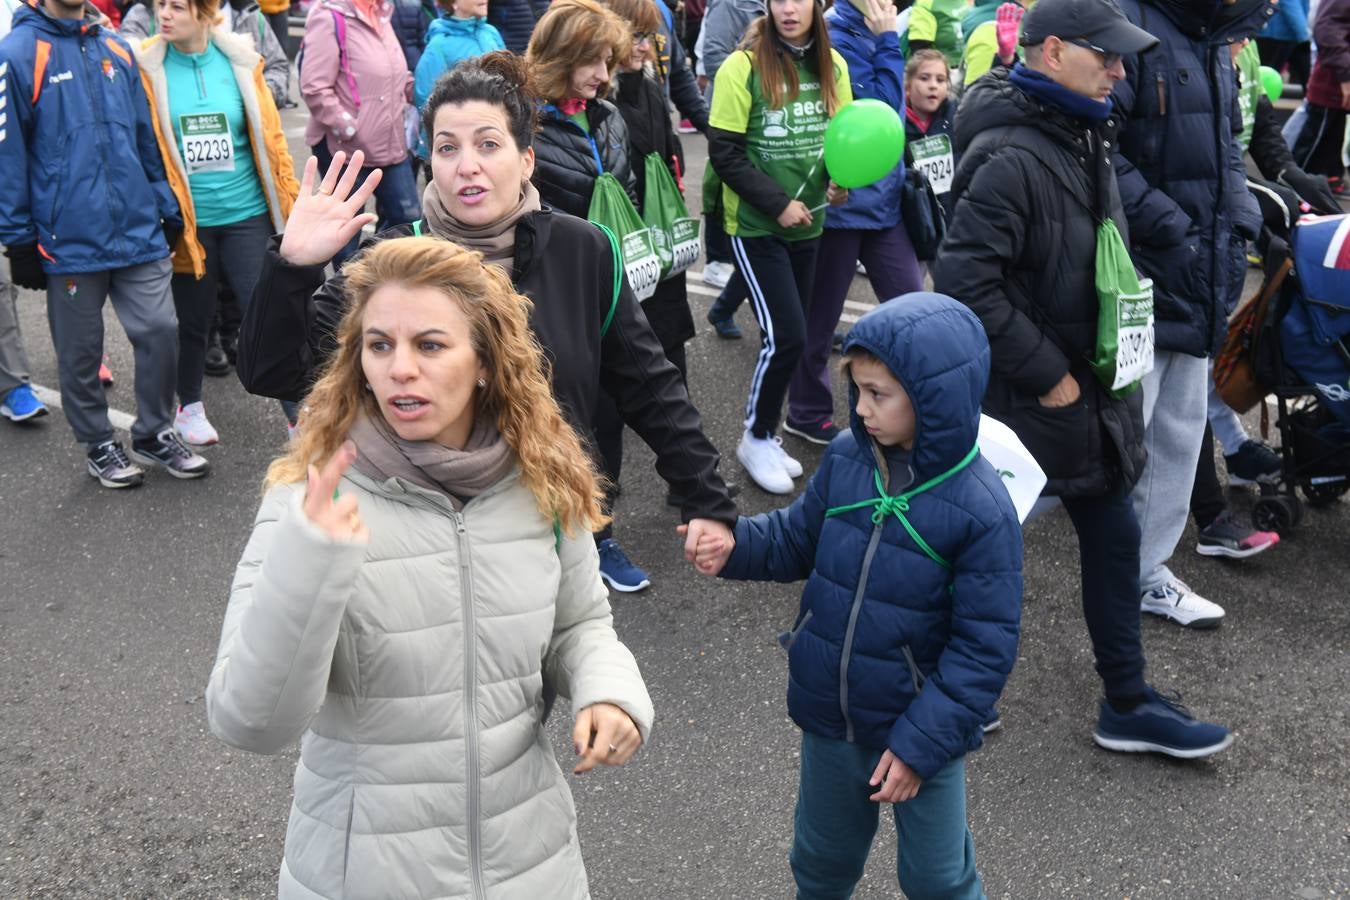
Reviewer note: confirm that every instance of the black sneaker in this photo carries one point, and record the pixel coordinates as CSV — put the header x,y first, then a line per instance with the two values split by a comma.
x,y
217,363
109,464
168,451
1254,463
819,433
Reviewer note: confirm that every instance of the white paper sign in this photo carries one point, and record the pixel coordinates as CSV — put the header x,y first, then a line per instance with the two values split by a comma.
x,y
1020,473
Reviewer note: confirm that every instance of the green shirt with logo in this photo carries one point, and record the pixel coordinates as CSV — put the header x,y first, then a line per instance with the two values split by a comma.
x,y
786,143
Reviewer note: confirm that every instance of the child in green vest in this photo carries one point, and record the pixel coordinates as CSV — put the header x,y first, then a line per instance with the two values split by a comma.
x,y
772,101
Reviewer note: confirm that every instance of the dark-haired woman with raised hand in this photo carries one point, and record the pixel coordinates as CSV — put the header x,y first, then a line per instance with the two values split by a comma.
x,y
481,121
772,101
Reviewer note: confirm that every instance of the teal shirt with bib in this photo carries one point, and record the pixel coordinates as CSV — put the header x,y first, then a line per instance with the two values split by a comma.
x,y
211,133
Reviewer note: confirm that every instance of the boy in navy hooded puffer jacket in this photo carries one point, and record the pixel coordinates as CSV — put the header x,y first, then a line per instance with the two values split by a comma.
x,y
908,627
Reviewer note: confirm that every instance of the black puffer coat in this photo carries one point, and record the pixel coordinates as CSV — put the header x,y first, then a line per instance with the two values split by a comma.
x,y
1179,165
1021,252
567,159
566,267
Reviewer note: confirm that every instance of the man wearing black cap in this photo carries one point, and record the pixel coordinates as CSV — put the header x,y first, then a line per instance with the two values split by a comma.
x,y
1183,186
1035,181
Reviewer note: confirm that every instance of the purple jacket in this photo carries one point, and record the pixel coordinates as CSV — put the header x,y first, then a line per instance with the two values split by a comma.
x,y
358,106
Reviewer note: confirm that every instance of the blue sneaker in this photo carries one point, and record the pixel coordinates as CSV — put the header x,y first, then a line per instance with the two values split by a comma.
x,y
21,404
618,570
725,327
1159,725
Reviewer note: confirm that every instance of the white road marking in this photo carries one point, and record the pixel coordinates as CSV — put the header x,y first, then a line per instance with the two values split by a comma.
x,y
120,420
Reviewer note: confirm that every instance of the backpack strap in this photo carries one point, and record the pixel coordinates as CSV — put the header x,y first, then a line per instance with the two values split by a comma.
x,y
618,278
344,64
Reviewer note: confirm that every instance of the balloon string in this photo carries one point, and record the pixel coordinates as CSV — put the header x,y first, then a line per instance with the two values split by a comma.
x,y
809,175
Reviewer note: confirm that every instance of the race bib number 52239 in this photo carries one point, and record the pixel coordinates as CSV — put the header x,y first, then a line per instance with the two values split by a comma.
x,y
208,145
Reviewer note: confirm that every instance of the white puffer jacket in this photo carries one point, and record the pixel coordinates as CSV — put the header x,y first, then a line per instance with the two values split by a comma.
x,y
413,668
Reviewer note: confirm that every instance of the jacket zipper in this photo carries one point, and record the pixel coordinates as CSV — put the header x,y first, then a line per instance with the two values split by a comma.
x,y
852,625
470,706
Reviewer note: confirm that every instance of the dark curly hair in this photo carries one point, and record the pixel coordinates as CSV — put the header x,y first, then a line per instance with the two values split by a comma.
x,y
500,78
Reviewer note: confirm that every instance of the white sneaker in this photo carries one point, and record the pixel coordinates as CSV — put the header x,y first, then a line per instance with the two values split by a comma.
x,y
717,274
1176,601
763,460
790,465
193,427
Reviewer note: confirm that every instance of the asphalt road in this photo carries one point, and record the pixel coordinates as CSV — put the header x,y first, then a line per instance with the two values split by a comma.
x,y
111,786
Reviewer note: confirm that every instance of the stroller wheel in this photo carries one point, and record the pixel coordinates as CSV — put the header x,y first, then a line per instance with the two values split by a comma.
x,y
1280,513
1325,493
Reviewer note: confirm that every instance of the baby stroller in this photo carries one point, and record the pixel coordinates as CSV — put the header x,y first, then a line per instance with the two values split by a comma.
x,y
1292,340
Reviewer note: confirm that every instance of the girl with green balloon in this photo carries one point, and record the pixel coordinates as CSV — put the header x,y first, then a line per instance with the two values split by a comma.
x,y
772,102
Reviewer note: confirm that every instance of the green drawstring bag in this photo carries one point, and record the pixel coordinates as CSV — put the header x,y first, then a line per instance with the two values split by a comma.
x,y
1124,316
611,208
673,229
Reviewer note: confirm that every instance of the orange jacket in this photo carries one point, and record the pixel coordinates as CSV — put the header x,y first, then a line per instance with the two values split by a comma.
x,y
275,168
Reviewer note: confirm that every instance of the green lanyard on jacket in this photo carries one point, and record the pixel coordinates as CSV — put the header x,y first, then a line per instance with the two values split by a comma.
x,y
898,504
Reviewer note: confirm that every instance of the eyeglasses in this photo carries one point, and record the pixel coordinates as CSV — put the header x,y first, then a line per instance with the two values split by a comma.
x,y
1109,60
640,36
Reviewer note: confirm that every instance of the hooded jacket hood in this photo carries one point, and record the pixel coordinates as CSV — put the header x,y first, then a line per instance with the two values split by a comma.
x,y
936,348
1214,19
449,25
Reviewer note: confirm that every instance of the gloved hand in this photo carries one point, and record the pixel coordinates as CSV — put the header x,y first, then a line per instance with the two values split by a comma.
x,y
1007,24
1312,189
25,267
173,233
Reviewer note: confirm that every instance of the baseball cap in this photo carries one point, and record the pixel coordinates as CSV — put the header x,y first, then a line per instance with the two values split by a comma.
x,y
1099,21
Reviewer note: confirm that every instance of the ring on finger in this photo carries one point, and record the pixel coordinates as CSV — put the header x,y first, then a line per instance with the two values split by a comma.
x,y
613,749
327,193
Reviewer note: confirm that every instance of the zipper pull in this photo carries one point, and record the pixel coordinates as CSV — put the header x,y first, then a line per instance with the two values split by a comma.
x,y
459,522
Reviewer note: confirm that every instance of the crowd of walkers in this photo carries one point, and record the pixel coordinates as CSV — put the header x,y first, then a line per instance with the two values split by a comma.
x,y
456,368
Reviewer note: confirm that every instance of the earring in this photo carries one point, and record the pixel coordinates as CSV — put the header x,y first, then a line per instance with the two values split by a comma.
x,y
368,387
482,383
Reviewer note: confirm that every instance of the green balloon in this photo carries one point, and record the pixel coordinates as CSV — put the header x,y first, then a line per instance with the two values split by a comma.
x,y
863,143
1272,83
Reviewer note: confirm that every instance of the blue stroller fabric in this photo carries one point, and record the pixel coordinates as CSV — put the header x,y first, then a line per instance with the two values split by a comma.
x,y
1315,331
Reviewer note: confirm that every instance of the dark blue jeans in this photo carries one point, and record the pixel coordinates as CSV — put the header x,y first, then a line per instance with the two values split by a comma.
x,y
835,823
397,201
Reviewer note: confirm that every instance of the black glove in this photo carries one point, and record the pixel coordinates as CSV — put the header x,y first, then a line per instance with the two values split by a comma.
x,y
173,233
1312,190
25,267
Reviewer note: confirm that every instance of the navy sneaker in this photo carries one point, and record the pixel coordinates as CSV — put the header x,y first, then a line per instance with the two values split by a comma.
x,y
993,723
618,570
726,327
819,433
1254,463
21,404
1159,725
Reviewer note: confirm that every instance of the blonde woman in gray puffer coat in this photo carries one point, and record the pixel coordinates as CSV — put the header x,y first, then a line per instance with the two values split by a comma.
x,y
421,563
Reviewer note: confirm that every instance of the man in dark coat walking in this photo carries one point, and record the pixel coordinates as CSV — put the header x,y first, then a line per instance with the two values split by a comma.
x,y
1034,182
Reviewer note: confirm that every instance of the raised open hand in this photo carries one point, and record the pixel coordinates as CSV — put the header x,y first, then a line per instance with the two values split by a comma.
x,y
1007,24
337,516
323,221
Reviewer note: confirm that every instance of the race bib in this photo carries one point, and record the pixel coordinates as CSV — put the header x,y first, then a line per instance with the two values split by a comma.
x,y
685,249
641,264
208,145
934,158
1134,335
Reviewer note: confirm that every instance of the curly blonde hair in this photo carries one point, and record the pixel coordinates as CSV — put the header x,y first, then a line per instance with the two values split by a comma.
x,y
553,464
571,34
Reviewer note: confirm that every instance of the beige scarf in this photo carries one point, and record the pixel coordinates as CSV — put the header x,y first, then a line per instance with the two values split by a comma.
x,y
496,241
463,474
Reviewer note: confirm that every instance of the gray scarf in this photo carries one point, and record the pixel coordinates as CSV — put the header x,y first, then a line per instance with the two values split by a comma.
x,y
496,241
463,474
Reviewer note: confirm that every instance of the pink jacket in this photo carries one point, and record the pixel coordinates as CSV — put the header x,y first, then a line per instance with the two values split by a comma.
x,y
371,117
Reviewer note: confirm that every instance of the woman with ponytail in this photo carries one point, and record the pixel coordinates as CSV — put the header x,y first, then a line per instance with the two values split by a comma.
x,y
772,101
